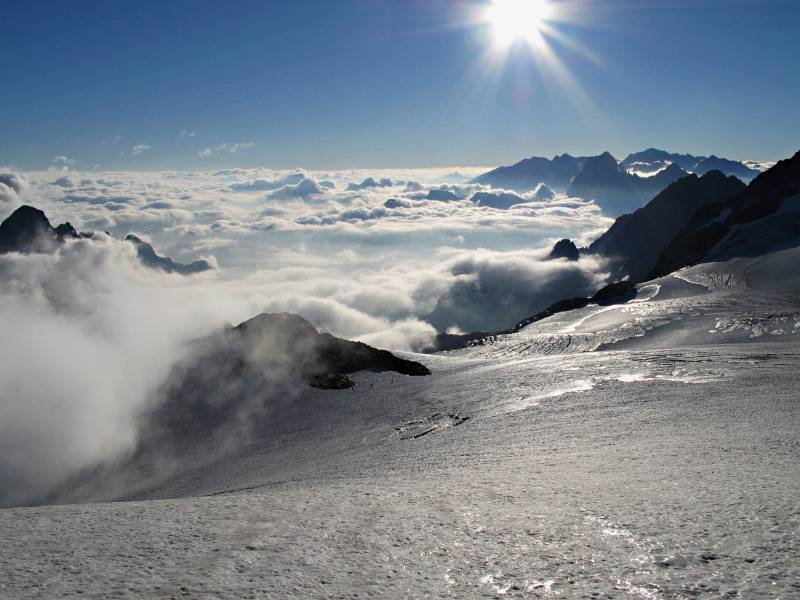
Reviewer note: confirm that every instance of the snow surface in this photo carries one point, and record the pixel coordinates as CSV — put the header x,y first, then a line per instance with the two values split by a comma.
x,y
647,449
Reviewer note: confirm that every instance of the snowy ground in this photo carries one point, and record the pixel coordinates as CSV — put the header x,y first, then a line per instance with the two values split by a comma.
x,y
663,465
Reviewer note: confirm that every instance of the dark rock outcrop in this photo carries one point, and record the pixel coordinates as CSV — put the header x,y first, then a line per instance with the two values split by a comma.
x,y
288,342
150,259
28,229
564,249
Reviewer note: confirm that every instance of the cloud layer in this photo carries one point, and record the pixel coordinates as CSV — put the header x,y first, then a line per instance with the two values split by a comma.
x,y
361,254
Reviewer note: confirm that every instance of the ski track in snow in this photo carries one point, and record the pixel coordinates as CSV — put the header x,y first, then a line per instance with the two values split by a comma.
x,y
663,466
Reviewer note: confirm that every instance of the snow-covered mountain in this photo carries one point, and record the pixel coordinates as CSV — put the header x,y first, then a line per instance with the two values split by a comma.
x,y
635,240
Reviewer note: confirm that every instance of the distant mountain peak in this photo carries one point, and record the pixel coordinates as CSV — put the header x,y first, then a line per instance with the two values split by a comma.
x,y
27,229
150,258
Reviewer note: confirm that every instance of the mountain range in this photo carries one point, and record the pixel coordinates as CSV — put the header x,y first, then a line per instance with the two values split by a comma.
x,y
695,219
618,187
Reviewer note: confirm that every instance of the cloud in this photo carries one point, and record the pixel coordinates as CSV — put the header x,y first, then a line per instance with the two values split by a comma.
x,y
369,263
139,149
186,133
88,352
223,148
370,182
269,184
62,163
490,291
12,184
303,189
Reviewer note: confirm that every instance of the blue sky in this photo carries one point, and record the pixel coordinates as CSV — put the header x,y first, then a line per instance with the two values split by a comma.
x,y
389,83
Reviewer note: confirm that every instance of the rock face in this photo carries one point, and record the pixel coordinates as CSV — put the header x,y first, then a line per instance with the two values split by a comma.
x,y
289,342
763,217
634,241
28,229
150,259
564,249
259,366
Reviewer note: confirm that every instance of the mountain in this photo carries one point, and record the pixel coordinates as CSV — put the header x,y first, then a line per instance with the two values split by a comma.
x,y
525,175
28,229
230,390
150,259
542,192
502,201
763,217
729,167
653,159
618,187
564,249
442,195
616,191
634,241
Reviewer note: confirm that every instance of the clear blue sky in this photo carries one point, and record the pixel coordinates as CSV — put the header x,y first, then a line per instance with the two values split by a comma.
x,y
388,83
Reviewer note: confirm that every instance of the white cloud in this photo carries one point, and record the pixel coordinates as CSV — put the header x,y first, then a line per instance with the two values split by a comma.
x,y
225,148
184,133
12,185
139,149
62,163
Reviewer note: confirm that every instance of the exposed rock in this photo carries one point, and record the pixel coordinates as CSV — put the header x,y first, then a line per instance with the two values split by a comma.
x,y
150,259
564,249
27,229
293,343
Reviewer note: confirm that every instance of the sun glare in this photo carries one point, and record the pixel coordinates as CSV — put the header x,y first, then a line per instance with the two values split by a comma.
x,y
517,20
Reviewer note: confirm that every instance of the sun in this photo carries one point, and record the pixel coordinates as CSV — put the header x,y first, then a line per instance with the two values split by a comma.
x,y
518,20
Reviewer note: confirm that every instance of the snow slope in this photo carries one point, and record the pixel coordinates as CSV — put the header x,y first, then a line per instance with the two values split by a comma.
x,y
647,449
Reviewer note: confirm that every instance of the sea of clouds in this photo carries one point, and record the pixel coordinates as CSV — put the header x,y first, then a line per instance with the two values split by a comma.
x,y
91,333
